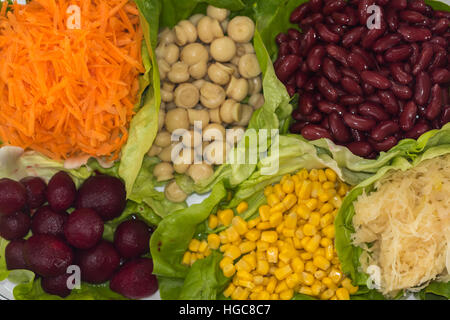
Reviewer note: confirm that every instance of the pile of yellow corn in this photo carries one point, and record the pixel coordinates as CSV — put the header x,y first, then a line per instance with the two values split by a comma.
x,y
288,248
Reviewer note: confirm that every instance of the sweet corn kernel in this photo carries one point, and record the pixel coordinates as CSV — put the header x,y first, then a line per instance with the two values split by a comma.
x,y
225,216
274,296
229,290
213,221
309,229
347,284
327,294
283,272
277,189
286,294
232,234
229,270
275,219
194,245
258,280
289,201
281,286
264,212
310,267
232,252
247,284
244,275
298,265
270,288
314,219
242,207
305,190
269,236
312,244
223,237
321,175
335,275
290,220
243,265
321,263
329,252
311,204
240,294
329,283
331,175
264,295
257,288
213,241
252,223
305,241
272,254
268,190
239,224
326,208
186,258
342,294
319,274
288,233
328,185
313,175
303,211
247,246
292,280
225,261
316,288
253,235
203,246
307,278
263,225
306,256
288,186
306,290
250,259
328,231
273,200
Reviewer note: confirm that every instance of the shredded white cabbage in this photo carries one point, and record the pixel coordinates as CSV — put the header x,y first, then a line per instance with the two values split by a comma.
x,y
407,221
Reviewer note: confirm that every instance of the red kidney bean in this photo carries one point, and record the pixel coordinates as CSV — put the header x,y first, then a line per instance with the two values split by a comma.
x,y
297,127
439,60
441,26
330,71
414,55
351,100
309,85
300,79
315,5
418,5
442,14
338,128
374,110
358,122
414,34
326,89
290,89
352,15
297,115
308,41
281,37
284,49
360,148
362,10
314,117
341,18
299,13
401,92
375,79
294,47
408,116
374,98
294,34
413,16
314,132
418,129
315,58
392,20
325,123
445,97
329,107
340,92
384,145
351,86
398,4
445,116
440,41
287,67
351,74
440,76
386,42
357,62
435,105
398,53
399,74
340,30
422,89
368,89
382,2
424,58
352,36
389,101
311,20
304,67
337,53
332,6
326,34
371,36
306,103
357,135
368,58
384,130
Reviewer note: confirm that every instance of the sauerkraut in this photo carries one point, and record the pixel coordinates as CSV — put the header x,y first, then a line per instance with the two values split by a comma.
x,y
404,226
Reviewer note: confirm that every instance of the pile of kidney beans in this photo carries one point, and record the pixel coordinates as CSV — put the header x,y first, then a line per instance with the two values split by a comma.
x,y
366,88
60,240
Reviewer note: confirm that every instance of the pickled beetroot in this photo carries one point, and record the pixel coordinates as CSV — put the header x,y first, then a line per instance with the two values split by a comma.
x,y
56,285
99,263
46,221
105,194
13,196
36,188
14,255
135,280
47,255
131,238
83,229
14,225
61,191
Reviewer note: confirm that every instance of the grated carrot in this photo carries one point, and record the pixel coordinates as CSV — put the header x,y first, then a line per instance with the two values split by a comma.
x,y
69,92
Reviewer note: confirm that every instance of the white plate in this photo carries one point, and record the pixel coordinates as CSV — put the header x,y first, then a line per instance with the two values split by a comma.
x,y
6,286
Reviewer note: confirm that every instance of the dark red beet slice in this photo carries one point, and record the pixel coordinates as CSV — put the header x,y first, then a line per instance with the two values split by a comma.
x,y
14,255
14,225
135,280
131,238
36,189
56,285
47,255
105,194
99,263
61,191
13,196
83,229
47,221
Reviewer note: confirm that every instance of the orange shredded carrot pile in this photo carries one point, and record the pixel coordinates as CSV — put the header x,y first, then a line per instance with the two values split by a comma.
x,y
68,92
